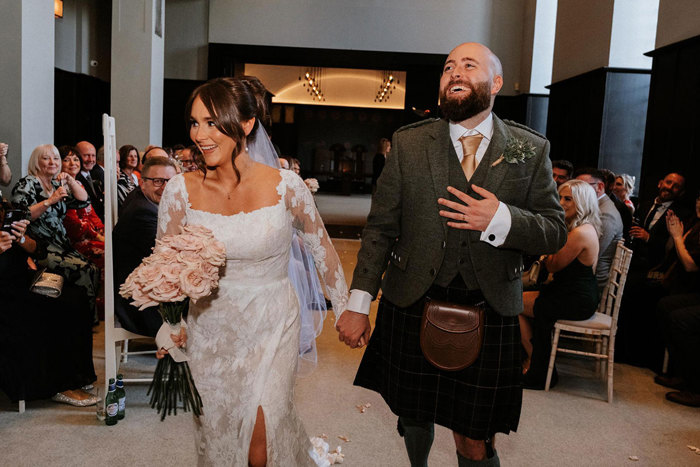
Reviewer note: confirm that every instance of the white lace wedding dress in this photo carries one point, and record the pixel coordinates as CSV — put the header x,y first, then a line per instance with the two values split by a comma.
x,y
243,340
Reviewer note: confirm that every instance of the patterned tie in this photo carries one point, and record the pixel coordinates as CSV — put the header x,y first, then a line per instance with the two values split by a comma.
x,y
469,146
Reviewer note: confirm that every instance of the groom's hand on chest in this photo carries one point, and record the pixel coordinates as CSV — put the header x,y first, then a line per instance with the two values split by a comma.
x,y
471,213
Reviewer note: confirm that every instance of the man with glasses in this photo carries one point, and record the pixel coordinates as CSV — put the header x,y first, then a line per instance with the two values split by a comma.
x,y
611,223
187,158
134,236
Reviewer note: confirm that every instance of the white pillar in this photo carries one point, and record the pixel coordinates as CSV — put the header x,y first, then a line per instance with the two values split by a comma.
x,y
137,71
26,79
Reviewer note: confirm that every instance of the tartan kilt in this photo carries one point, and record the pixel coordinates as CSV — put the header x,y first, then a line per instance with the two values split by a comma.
x,y
476,402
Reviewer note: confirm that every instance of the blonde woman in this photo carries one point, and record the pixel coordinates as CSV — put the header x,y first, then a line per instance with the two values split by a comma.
x,y
573,294
624,189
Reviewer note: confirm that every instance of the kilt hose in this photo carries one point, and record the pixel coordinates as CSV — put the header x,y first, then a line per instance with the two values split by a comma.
x,y
476,402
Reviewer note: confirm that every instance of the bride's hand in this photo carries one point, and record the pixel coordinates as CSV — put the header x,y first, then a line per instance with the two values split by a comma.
x,y
180,341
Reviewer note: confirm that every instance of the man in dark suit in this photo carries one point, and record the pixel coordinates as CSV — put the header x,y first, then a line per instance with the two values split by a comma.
x,y
134,237
92,176
610,220
650,232
467,251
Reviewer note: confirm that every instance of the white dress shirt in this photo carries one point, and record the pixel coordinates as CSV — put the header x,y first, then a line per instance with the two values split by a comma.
x,y
499,226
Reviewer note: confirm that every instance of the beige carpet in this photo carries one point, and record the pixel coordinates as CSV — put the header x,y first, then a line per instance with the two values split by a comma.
x,y
570,426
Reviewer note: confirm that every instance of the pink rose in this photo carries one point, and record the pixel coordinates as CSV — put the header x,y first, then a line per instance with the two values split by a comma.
x,y
185,242
195,283
198,231
163,253
189,258
149,275
214,252
167,291
171,271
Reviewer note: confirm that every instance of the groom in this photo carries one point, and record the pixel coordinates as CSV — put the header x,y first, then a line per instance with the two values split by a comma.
x,y
459,202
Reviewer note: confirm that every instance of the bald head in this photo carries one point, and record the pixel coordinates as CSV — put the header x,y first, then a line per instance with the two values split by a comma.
x,y
87,154
486,56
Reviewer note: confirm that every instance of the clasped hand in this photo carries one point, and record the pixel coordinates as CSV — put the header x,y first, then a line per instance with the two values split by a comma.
x,y
17,231
474,214
353,329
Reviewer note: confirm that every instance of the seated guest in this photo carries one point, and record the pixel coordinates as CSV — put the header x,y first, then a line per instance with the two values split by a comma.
x,y
134,236
681,325
610,220
45,343
48,194
284,163
650,233
188,158
573,293
295,165
562,171
92,176
129,164
625,214
153,151
624,189
5,172
85,230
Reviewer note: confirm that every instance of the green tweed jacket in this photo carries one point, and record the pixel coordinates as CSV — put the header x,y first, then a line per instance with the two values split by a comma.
x,y
405,237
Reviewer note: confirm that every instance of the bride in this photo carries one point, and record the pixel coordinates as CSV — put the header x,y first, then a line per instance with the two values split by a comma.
x,y
243,340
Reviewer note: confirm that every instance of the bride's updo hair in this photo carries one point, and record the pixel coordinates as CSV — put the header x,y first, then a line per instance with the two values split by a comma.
x,y
231,101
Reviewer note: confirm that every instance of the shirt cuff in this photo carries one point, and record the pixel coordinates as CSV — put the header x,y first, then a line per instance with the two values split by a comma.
x,y
497,230
359,301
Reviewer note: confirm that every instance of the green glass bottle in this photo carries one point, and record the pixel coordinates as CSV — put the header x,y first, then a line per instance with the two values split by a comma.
x,y
111,404
121,397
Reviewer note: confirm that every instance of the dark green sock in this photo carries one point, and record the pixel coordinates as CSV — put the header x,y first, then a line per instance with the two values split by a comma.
x,y
418,437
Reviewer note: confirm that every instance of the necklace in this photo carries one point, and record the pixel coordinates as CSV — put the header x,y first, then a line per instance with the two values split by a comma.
x,y
49,191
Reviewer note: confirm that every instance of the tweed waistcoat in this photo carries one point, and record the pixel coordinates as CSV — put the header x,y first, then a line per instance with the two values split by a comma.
x,y
457,250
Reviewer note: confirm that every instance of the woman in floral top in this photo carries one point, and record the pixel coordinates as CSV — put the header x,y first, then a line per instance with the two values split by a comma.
x,y
85,230
48,193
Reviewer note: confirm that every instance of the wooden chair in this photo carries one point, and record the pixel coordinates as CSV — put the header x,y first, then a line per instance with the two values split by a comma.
x,y
116,339
602,326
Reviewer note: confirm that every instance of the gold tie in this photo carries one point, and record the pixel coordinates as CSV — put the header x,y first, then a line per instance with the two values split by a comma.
x,y
469,146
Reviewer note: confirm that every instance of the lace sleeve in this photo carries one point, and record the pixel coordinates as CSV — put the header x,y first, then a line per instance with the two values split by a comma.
x,y
172,210
308,223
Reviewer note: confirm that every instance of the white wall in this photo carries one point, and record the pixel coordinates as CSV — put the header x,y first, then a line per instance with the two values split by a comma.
x,y
186,39
388,25
582,40
26,78
543,47
633,33
678,20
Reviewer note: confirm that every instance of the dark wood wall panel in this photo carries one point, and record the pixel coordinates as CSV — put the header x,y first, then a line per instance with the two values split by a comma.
x,y
672,142
79,102
597,119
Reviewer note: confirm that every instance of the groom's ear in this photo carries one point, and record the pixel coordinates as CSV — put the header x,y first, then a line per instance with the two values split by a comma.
x,y
497,84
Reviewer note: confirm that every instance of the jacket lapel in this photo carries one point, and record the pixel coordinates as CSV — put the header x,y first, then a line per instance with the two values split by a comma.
x,y
492,161
438,151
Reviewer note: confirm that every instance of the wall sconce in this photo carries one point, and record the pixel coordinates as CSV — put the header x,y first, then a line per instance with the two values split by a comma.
x,y
58,8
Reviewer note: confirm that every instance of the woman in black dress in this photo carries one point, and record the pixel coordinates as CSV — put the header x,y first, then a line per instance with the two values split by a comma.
x,y
573,293
34,364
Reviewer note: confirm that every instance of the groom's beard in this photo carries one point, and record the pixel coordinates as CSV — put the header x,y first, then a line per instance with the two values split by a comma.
x,y
458,109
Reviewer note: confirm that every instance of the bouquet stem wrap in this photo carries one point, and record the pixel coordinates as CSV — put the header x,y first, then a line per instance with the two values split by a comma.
x,y
172,381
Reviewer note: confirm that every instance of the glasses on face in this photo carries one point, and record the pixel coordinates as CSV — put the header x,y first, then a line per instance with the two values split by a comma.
x,y
157,182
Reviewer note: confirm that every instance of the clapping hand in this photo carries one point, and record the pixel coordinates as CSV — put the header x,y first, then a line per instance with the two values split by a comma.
x,y
674,225
474,214
353,329
178,340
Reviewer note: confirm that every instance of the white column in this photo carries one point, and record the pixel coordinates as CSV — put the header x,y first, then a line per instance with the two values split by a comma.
x,y
137,71
26,79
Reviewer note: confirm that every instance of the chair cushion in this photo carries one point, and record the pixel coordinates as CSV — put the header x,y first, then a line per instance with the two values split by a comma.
x,y
597,321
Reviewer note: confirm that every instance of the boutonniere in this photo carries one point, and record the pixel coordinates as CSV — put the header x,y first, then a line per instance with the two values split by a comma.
x,y
516,151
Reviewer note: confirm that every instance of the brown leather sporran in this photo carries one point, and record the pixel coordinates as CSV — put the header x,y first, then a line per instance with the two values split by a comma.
x,y
451,335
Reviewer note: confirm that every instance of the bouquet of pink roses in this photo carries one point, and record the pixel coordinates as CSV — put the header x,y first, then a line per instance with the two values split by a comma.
x,y
182,267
